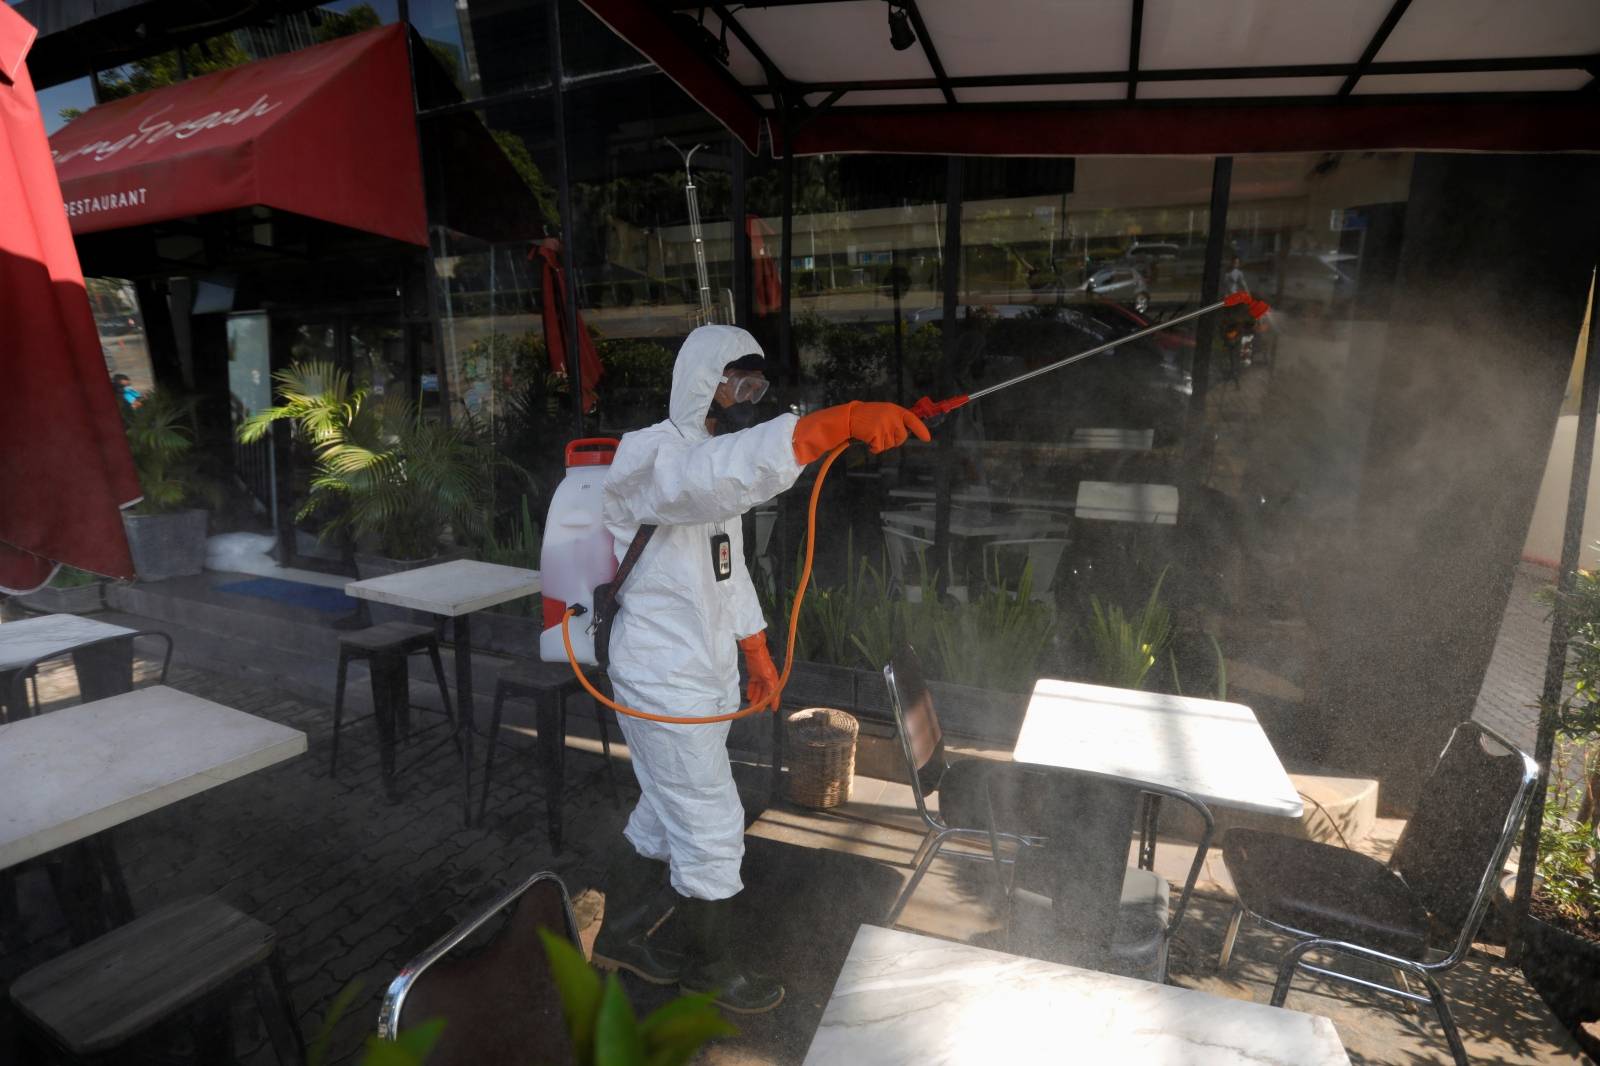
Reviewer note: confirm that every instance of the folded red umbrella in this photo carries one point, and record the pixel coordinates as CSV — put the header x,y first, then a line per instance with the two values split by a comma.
x,y
554,311
65,469
767,284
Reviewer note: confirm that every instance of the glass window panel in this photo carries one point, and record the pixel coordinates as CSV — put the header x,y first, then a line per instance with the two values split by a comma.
x,y
60,104
489,47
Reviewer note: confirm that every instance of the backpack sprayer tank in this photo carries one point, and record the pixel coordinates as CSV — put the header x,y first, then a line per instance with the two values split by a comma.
x,y
578,552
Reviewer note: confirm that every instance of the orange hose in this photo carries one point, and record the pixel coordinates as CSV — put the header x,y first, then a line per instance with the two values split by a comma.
x,y
794,628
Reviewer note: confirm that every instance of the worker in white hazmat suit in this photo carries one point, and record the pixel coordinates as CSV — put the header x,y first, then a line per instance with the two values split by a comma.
x,y
688,610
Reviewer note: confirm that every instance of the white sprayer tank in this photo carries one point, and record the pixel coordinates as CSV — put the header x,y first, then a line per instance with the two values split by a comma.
x,y
578,552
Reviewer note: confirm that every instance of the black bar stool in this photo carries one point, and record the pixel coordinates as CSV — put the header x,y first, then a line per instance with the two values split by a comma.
x,y
386,649
548,685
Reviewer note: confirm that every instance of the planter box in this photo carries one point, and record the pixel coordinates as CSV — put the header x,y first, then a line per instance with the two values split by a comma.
x,y
166,545
973,712
79,599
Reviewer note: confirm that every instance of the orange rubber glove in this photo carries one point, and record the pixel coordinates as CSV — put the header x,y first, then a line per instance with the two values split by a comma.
x,y
763,687
878,425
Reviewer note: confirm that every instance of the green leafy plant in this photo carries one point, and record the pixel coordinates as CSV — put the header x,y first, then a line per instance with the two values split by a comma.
x,y
1569,837
1124,648
70,577
161,437
601,1021
384,473
997,639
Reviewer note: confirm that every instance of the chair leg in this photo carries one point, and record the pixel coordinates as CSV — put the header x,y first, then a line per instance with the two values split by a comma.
x,y
1441,1007
1291,962
927,841
338,711
605,749
1229,937
277,1011
931,852
494,742
444,692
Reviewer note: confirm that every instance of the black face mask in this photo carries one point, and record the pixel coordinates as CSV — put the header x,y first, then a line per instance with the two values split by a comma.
x,y
733,418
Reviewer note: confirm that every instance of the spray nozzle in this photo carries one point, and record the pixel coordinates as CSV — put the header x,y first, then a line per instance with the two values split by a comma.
x,y
1257,308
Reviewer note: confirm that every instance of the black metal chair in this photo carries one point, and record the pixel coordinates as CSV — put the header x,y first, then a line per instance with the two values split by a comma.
x,y
962,785
1060,905
386,649
1434,889
548,685
104,667
496,994
189,959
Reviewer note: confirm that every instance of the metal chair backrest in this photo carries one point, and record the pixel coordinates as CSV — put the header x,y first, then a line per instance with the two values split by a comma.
x,y
103,681
1043,557
917,723
1455,844
498,999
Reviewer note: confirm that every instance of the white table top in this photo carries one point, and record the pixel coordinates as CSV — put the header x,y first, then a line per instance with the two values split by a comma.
x,y
71,773
1003,527
1214,751
458,587
984,496
905,998
1111,501
23,641
1110,439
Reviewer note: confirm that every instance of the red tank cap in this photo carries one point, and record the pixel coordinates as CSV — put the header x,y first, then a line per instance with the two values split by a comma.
x,y
602,450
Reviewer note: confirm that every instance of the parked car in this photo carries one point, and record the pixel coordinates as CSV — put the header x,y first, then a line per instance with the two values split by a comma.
x,y
1122,281
1172,345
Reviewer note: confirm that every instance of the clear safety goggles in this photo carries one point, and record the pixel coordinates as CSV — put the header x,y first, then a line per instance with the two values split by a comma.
x,y
746,389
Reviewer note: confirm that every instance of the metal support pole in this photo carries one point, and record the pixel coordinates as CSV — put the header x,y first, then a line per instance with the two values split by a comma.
x,y
788,358
952,296
1211,283
1556,658
564,190
739,234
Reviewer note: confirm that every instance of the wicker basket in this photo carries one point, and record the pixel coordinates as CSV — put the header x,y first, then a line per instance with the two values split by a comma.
x,y
822,756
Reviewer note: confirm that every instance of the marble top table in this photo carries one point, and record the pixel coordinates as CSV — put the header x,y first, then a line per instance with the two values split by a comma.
x,y
1212,750
905,998
24,641
75,772
1111,501
1112,440
966,524
986,497
454,589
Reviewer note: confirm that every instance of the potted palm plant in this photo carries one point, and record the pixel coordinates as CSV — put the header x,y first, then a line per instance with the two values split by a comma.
x,y
166,530
406,488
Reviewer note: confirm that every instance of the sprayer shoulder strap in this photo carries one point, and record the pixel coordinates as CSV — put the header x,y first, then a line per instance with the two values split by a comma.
x,y
635,549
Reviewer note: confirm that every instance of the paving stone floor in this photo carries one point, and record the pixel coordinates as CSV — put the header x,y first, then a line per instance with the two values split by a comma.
x,y
356,886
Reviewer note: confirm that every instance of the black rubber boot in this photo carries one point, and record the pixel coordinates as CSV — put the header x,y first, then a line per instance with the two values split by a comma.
x,y
709,967
638,899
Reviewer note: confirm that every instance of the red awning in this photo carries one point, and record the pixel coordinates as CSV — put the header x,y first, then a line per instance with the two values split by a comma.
x,y
1111,77
65,470
327,132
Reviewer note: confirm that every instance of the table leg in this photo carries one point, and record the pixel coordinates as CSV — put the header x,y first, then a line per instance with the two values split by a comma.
x,y
390,688
467,719
1149,826
553,751
1091,822
779,734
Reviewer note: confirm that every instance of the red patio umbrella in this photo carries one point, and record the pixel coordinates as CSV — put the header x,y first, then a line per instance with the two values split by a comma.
x,y
65,469
553,309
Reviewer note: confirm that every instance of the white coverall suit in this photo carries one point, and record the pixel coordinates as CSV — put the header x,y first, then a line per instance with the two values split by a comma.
x,y
674,642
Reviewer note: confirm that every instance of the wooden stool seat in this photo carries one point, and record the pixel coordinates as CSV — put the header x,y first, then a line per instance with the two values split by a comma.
x,y
103,994
388,637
